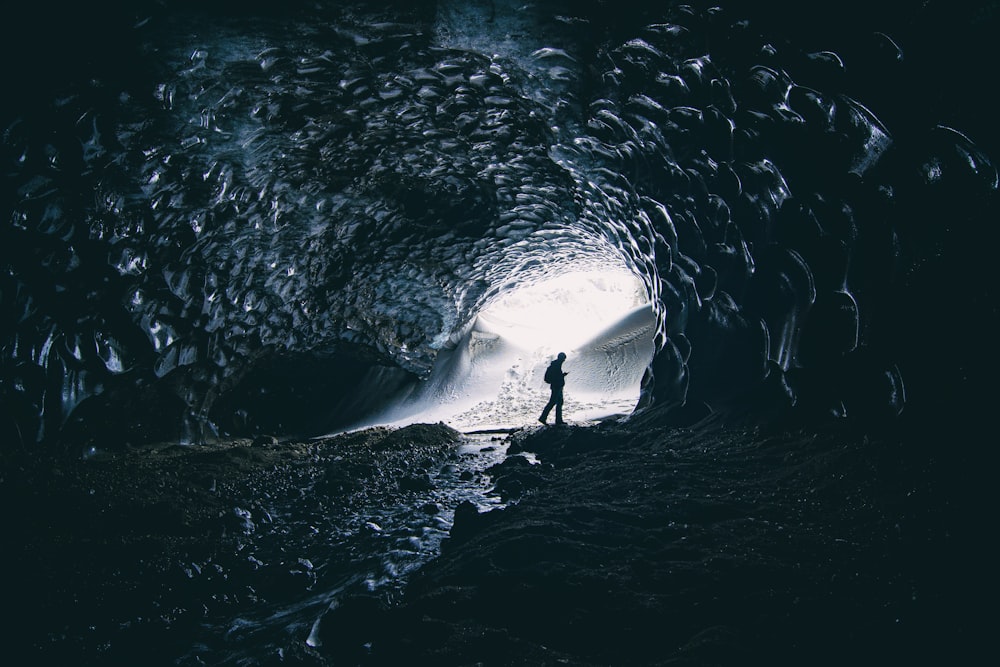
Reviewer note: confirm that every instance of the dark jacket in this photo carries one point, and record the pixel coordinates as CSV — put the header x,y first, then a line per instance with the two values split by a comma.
x,y
554,374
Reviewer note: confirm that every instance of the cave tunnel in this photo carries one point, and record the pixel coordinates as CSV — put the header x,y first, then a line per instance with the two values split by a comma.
x,y
257,238
232,222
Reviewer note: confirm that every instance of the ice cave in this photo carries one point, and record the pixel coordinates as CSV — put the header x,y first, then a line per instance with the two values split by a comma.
x,y
280,282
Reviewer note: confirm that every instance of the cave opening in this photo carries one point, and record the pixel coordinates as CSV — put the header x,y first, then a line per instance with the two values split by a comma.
x,y
491,378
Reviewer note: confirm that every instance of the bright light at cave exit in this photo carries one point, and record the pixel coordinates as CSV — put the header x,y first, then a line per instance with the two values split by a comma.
x,y
493,377
565,311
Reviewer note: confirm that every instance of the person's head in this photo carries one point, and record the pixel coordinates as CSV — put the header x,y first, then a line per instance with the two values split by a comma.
x,y
561,356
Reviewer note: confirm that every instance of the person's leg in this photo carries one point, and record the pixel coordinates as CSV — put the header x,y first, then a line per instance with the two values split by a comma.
x,y
559,403
548,407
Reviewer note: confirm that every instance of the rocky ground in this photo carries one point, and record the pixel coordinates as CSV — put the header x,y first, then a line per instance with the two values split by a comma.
x,y
108,556
709,545
620,544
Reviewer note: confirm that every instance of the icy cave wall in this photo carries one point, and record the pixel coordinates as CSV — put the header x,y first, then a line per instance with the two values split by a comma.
x,y
263,221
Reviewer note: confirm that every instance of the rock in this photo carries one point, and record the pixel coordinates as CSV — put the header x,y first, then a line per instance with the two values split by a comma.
x,y
466,522
516,475
416,483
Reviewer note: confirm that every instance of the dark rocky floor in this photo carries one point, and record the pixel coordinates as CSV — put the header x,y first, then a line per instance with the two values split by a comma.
x,y
710,545
120,558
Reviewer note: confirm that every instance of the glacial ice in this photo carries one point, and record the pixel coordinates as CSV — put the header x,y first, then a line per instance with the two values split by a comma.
x,y
358,194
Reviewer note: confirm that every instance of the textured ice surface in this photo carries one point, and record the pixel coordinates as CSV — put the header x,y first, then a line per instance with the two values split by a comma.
x,y
348,187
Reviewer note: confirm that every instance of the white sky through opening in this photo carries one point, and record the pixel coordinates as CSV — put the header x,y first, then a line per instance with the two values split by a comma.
x,y
564,311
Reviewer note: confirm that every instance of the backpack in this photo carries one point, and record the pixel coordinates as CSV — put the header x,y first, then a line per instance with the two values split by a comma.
x,y
550,374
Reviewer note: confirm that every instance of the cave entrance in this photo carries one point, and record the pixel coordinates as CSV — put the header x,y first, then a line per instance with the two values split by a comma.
x,y
492,378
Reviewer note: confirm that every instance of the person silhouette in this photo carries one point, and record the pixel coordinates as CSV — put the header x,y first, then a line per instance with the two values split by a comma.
x,y
556,377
